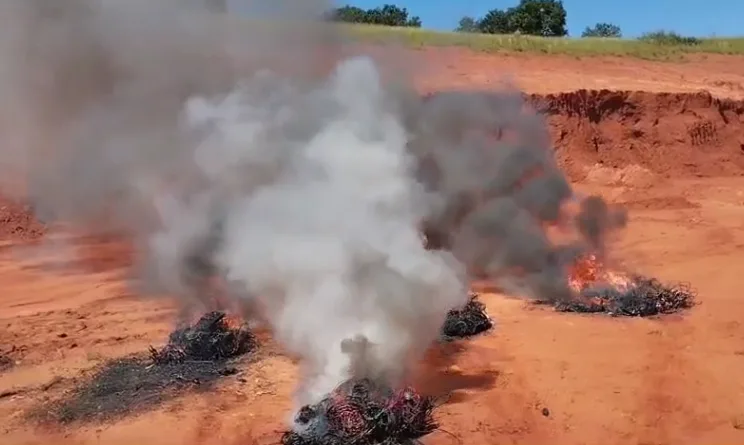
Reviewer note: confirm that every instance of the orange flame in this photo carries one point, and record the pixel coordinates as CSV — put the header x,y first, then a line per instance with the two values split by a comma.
x,y
584,272
233,321
590,270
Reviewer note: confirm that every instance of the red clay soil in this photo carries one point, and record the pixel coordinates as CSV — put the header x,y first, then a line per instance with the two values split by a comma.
x,y
98,252
17,222
540,377
94,251
444,68
673,134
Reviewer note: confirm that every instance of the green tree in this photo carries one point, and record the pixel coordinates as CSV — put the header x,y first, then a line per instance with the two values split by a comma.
x,y
387,15
533,17
539,17
414,22
391,15
669,38
467,24
602,30
497,21
349,14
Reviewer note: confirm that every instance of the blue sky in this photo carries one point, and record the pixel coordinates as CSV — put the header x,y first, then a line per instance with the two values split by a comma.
x,y
634,17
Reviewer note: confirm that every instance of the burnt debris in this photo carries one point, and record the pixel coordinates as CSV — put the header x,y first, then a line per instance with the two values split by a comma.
x,y
361,412
195,357
5,362
133,384
209,339
644,297
466,321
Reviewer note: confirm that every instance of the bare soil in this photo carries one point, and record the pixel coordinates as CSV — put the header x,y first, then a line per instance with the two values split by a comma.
x,y
640,133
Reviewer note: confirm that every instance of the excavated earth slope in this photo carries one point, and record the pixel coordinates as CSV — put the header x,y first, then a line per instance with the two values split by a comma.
x,y
674,135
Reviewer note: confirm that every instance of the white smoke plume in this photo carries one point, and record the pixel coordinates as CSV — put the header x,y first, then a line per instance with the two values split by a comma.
x,y
326,235
251,151
240,162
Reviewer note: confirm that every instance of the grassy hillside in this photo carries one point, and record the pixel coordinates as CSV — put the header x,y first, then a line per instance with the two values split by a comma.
x,y
646,49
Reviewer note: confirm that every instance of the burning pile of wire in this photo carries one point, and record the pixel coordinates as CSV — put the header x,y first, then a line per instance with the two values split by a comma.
x,y
209,339
466,321
642,297
600,290
361,412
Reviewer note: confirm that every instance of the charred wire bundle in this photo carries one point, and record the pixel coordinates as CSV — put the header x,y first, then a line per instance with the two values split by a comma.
x,y
361,412
466,321
642,297
209,339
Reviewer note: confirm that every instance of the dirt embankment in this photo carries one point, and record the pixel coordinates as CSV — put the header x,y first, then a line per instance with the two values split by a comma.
x,y
671,134
17,222
667,134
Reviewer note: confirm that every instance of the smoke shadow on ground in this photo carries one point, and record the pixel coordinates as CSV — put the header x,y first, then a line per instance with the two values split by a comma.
x,y
439,375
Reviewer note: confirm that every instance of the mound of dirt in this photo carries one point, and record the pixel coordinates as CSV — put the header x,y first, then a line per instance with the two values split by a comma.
x,y
671,134
196,356
364,413
17,222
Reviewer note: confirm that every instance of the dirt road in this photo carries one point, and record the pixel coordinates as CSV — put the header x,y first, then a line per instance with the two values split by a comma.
x,y
677,163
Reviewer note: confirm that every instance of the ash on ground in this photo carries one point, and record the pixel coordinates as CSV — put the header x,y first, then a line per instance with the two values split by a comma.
x,y
361,412
642,297
5,362
466,321
195,357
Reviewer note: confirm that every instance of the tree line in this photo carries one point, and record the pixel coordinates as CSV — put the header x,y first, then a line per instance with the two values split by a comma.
x,y
387,15
530,17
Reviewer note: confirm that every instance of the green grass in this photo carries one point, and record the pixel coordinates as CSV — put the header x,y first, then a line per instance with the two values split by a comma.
x,y
655,46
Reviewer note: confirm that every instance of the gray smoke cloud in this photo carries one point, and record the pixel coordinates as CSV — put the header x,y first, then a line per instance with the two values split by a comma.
x,y
258,154
489,158
327,237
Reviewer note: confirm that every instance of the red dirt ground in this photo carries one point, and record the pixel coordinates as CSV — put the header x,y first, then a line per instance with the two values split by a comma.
x,y
676,160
